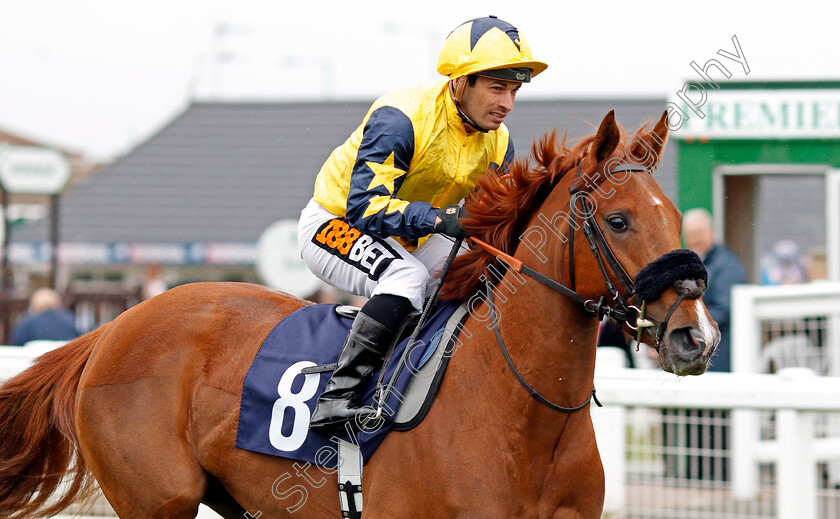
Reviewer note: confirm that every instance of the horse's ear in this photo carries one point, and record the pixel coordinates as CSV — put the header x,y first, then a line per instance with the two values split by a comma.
x,y
658,137
646,147
607,138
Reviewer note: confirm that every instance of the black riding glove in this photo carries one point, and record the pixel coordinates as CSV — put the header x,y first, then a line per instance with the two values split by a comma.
x,y
448,224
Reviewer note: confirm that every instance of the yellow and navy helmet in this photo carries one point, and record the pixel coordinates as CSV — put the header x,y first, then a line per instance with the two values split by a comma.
x,y
488,46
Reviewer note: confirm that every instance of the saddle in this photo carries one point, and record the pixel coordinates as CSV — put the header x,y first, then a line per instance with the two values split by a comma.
x,y
288,373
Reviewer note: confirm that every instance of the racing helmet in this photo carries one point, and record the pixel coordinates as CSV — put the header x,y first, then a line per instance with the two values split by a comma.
x,y
491,47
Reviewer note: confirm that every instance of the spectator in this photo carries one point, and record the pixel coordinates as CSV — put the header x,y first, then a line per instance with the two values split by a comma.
x,y
46,320
725,270
784,265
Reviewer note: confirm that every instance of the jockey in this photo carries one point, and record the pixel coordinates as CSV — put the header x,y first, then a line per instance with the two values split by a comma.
x,y
382,195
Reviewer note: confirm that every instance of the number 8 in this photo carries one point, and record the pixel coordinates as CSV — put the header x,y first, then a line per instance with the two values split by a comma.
x,y
295,401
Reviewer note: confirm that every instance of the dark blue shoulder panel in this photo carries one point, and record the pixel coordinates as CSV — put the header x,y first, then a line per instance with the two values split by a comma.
x,y
387,130
508,155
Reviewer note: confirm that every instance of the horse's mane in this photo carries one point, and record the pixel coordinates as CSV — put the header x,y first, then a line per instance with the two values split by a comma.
x,y
502,202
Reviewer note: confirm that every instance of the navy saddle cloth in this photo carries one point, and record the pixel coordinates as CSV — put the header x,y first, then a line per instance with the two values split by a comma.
x,y
278,400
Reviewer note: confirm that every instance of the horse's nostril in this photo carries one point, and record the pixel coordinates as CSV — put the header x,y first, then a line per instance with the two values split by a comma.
x,y
687,344
688,351
698,338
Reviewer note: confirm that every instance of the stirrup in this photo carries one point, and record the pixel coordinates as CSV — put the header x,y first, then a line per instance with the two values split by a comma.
x,y
363,419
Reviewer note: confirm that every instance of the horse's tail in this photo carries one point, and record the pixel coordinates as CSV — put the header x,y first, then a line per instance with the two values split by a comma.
x,y
38,444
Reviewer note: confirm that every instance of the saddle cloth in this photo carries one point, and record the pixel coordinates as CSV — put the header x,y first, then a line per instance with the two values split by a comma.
x,y
278,400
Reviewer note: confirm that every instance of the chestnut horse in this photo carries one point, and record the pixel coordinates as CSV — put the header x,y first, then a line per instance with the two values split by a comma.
x,y
146,407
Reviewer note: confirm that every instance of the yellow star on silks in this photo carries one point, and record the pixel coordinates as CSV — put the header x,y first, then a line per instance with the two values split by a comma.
x,y
385,174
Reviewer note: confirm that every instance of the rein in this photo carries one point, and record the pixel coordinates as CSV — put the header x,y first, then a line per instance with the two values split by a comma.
x,y
384,392
597,309
531,391
681,269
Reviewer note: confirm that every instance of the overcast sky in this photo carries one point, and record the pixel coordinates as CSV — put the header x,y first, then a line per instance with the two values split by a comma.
x,y
99,76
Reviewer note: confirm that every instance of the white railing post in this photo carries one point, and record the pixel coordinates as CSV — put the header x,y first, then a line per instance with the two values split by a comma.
x,y
610,432
833,343
796,474
745,470
610,424
744,348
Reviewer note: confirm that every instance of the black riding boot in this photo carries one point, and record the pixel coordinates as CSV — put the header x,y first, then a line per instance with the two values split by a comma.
x,y
363,353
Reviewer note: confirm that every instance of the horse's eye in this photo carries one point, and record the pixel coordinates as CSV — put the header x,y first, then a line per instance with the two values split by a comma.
x,y
617,223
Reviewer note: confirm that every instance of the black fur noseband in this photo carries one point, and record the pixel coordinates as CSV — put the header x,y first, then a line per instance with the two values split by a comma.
x,y
670,268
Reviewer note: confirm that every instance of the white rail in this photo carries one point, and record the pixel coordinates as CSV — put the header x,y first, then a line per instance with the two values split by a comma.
x,y
14,359
783,326
752,305
795,394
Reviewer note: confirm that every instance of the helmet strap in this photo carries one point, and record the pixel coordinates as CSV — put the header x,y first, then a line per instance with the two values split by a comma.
x,y
457,88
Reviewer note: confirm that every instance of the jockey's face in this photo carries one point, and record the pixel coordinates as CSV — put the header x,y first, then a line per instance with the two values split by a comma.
x,y
489,101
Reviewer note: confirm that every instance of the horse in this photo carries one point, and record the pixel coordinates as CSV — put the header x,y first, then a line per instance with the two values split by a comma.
x,y
146,407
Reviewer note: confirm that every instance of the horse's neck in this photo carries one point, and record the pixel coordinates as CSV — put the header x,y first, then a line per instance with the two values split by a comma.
x,y
551,342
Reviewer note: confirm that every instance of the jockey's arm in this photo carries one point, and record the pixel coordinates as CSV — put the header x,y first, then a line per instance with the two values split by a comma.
x,y
382,164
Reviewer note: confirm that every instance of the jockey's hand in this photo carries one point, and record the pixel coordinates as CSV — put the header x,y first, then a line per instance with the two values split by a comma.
x,y
447,222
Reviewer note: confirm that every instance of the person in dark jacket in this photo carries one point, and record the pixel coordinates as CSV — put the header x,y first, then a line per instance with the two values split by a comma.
x,y
725,270
46,320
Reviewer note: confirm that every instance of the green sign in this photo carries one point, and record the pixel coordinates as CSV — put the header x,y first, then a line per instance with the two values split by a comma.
x,y
755,114
33,170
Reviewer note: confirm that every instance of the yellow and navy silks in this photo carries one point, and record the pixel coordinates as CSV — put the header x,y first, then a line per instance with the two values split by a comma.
x,y
410,155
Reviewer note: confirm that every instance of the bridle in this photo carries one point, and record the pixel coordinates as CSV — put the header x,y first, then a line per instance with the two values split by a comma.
x,y
681,269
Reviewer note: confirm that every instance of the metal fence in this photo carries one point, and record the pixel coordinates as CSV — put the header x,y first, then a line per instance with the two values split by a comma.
x,y
751,444
670,447
774,328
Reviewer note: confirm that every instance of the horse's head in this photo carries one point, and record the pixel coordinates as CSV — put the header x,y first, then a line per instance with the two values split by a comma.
x,y
621,211
592,219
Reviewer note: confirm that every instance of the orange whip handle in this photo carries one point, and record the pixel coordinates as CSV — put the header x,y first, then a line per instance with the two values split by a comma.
x,y
510,260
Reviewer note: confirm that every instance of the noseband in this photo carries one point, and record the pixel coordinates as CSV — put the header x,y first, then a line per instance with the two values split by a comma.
x,y
681,269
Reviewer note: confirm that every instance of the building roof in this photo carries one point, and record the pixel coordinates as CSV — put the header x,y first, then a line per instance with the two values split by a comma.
x,y
14,138
530,120
222,172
